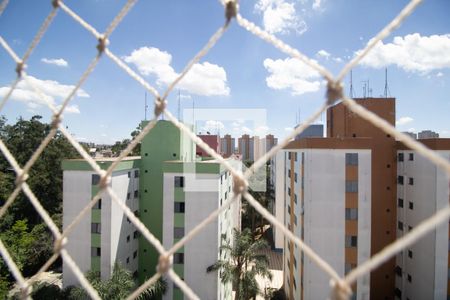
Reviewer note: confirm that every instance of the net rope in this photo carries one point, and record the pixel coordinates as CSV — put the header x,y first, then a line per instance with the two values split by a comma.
x,y
340,286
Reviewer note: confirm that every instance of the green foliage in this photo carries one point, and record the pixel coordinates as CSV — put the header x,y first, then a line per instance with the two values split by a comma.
x,y
4,287
119,146
243,265
25,236
119,286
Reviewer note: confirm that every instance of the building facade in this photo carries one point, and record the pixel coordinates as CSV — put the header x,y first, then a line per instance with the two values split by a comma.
x,y
422,270
244,147
313,130
171,192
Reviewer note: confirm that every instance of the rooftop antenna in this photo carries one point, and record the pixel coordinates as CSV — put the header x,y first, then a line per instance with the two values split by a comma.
x,y
386,87
351,84
369,90
179,104
364,88
146,106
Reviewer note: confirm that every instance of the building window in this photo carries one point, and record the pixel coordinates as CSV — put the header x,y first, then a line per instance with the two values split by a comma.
x,y
295,176
135,254
289,191
98,205
179,181
135,234
129,174
136,173
128,238
128,196
178,232
398,271
351,186
289,209
400,180
400,202
178,258
295,156
136,213
351,214
410,254
289,155
96,251
295,198
411,205
411,156
295,220
400,225
289,173
128,260
96,228
351,241
136,194
411,181
95,179
179,207
398,293
351,159
409,278
400,157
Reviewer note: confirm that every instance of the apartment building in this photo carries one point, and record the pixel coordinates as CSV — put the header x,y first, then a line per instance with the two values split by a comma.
x,y
328,205
171,192
227,145
103,236
277,193
422,269
244,147
212,140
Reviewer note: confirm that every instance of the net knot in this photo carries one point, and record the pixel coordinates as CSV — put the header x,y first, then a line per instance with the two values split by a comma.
x,y
103,42
21,178
340,290
239,184
164,263
19,68
55,3
334,91
160,106
59,244
230,10
56,120
104,181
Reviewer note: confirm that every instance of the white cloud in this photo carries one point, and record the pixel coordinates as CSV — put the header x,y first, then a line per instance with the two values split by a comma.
x,y
55,61
337,59
185,96
412,53
213,126
323,53
292,74
280,16
261,130
51,90
439,74
288,128
317,4
403,121
246,130
203,79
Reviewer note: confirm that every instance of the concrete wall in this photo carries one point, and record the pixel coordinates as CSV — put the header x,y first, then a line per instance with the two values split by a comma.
x,y
76,195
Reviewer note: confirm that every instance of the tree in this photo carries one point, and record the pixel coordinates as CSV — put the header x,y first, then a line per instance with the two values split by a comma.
x,y
119,286
119,146
243,265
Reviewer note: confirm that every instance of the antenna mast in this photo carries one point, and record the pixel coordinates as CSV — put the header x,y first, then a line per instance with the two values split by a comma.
x,y
145,106
386,87
351,84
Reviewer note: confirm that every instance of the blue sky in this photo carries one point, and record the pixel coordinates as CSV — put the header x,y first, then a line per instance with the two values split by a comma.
x,y
158,38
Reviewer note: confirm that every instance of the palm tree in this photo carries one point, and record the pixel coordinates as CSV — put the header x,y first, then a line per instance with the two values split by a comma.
x,y
243,264
119,286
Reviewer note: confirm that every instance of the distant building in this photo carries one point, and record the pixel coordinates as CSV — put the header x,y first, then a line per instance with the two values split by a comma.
x,y
213,141
244,147
227,145
427,134
411,134
313,130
